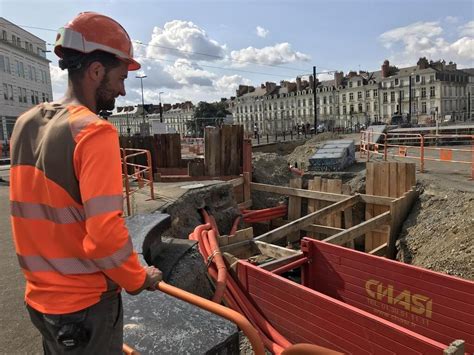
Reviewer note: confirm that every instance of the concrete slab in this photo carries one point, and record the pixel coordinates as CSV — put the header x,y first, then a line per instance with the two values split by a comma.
x,y
377,132
334,155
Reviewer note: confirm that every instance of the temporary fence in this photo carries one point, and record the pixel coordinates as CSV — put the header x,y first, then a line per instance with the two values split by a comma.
x,y
135,176
443,148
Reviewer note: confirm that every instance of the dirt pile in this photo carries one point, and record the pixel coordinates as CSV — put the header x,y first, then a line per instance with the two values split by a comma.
x,y
438,233
185,216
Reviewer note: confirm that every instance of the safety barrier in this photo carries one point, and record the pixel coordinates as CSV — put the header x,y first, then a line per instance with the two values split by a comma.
x,y
140,176
437,148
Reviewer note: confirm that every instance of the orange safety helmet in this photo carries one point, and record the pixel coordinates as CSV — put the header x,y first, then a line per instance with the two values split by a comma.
x,y
90,31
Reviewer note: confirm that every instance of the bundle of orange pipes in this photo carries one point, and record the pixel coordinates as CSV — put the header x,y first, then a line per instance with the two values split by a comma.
x,y
267,214
227,288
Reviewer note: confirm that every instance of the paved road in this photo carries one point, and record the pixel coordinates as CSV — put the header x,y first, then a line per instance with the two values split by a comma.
x,y
17,334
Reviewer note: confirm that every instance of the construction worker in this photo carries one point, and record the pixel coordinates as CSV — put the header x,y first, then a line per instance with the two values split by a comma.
x,y
66,197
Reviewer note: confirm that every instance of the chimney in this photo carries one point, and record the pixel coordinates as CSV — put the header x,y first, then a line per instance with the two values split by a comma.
x,y
270,86
423,63
311,81
338,77
298,83
385,68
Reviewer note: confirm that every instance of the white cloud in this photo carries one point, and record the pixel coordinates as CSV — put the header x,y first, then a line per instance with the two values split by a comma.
x,y
262,32
467,29
451,19
58,81
411,34
419,39
227,84
183,39
280,53
187,73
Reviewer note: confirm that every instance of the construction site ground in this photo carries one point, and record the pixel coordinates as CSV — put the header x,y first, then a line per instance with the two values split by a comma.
x,y
437,234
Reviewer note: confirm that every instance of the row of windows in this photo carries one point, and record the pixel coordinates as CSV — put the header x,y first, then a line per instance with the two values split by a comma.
x,y
23,96
28,46
24,71
329,100
344,110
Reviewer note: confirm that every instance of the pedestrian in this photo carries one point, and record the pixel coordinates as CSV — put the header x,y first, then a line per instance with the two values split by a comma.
x,y
255,130
66,197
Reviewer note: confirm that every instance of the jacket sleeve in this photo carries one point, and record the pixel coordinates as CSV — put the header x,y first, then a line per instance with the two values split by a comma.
x,y
98,168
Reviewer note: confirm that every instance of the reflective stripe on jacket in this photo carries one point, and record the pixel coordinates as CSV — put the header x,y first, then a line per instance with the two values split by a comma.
x,y
66,206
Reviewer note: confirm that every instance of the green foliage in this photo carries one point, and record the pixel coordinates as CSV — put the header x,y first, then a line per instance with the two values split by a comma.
x,y
208,110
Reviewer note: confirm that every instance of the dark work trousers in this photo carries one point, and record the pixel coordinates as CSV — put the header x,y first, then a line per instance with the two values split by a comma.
x,y
102,322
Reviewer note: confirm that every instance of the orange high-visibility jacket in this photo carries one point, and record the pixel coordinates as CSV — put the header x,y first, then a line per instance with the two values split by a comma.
x,y
66,207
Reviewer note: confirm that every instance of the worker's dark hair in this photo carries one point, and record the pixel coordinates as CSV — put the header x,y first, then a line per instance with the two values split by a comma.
x,y
77,62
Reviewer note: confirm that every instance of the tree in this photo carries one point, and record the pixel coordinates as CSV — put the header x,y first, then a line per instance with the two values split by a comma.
x,y
206,114
210,110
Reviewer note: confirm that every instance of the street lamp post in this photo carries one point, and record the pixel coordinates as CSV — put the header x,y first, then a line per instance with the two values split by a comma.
x,y
161,107
314,102
141,77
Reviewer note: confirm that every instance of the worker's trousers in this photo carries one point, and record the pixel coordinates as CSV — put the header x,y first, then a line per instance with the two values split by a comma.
x,y
95,330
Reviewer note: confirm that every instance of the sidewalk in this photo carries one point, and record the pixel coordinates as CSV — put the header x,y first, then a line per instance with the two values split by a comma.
x,y
17,334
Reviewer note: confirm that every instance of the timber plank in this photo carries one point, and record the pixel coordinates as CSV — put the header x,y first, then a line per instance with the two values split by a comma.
x,y
356,231
402,178
294,209
369,208
298,224
335,186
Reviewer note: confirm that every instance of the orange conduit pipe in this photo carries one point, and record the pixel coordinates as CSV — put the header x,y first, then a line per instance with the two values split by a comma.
x,y
248,309
222,311
221,267
233,230
251,314
240,299
271,209
242,305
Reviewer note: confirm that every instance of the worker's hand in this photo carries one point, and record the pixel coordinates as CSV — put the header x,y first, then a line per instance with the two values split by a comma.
x,y
153,276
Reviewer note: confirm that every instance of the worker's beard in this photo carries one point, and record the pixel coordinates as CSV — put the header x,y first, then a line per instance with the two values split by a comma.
x,y
104,96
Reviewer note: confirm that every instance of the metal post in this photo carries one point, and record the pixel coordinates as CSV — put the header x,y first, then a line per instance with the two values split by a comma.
x,y
161,107
409,99
422,153
315,102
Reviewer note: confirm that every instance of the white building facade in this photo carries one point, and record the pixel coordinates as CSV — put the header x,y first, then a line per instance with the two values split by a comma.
x,y
129,120
438,91
25,79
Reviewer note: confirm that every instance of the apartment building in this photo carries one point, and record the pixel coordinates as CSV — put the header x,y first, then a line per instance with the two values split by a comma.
x,y
129,119
24,74
425,92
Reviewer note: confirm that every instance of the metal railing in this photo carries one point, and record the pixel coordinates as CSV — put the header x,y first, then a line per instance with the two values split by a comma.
x,y
441,148
135,176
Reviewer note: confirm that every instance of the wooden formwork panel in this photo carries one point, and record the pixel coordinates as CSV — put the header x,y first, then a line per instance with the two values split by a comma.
x,y
391,179
223,150
432,304
168,150
304,315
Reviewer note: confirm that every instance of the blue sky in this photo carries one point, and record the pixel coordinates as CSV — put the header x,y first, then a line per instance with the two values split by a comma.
x,y
258,41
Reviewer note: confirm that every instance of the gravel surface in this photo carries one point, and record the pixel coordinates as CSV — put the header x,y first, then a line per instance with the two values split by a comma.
x,y
438,233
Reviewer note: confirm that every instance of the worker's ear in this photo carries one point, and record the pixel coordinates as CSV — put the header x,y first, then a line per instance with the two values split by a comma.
x,y
96,72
